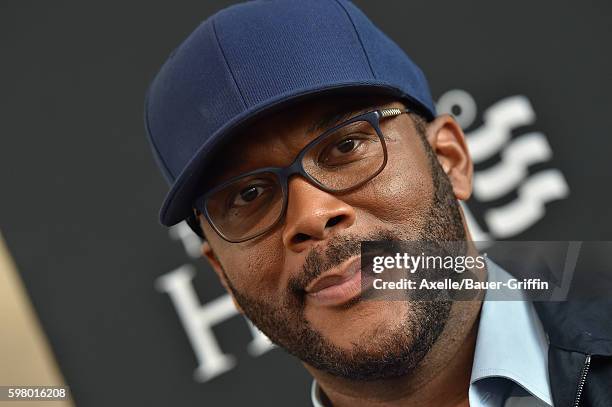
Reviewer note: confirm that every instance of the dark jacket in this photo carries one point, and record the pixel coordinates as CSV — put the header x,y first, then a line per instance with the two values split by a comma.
x,y
579,329
580,352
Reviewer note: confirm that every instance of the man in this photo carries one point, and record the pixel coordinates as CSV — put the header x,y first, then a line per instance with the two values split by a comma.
x,y
291,132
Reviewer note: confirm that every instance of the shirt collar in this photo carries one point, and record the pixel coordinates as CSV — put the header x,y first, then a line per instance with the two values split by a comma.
x,y
511,344
315,395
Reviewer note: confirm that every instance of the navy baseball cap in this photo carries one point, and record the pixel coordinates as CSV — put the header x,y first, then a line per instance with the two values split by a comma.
x,y
250,58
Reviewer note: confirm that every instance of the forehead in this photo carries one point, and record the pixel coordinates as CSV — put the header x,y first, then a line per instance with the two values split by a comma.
x,y
276,138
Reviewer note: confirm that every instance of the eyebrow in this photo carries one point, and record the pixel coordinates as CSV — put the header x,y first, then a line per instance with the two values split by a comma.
x,y
333,117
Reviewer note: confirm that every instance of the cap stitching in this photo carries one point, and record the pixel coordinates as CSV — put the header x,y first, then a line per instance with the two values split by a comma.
x,y
214,29
358,38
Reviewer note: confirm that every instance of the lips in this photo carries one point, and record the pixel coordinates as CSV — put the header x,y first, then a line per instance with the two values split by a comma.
x,y
337,286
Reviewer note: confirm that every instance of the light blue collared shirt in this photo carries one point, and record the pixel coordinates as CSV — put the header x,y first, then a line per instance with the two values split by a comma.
x,y
510,366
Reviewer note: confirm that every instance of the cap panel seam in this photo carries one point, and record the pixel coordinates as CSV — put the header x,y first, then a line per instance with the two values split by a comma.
x,y
365,53
229,68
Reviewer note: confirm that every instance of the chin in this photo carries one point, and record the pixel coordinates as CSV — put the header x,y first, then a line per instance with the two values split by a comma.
x,y
363,322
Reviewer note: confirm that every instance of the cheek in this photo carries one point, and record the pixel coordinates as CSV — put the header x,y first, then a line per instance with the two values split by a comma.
x,y
255,271
403,191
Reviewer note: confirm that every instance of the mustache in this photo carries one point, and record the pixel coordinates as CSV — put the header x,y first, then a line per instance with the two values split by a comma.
x,y
339,249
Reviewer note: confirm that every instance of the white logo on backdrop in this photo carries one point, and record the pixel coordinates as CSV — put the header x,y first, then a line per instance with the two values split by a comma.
x,y
508,174
493,139
199,319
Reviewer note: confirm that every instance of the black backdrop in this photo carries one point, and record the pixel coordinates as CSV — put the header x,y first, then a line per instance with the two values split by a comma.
x,y
80,191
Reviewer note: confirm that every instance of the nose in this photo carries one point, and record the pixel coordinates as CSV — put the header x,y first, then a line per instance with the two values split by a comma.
x,y
313,215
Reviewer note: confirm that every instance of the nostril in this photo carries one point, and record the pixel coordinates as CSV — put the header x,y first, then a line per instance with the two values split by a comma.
x,y
334,221
317,234
299,238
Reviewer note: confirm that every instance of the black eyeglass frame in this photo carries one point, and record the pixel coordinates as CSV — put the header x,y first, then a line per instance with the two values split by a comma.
x,y
296,167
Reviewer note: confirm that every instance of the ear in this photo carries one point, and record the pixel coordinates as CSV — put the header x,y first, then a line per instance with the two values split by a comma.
x,y
448,143
210,255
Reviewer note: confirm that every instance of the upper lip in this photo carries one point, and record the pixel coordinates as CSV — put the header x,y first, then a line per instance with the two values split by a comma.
x,y
337,275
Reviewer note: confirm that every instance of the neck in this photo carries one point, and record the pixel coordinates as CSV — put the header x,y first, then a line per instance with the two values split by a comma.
x,y
441,379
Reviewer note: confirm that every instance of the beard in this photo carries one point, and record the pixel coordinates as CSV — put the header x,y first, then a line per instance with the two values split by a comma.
x,y
392,349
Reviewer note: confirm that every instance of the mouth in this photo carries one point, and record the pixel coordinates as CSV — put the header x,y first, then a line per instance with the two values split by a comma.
x,y
338,286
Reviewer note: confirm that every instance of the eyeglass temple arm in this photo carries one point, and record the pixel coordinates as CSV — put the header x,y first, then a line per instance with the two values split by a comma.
x,y
393,112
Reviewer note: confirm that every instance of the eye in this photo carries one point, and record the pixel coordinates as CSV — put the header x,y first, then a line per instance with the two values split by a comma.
x,y
344,147
347,145
248,195
348,149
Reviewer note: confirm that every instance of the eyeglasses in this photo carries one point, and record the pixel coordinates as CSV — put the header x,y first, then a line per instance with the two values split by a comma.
x,y
341,159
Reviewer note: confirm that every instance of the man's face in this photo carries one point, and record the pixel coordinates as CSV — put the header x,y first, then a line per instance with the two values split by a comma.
x,y
272,277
